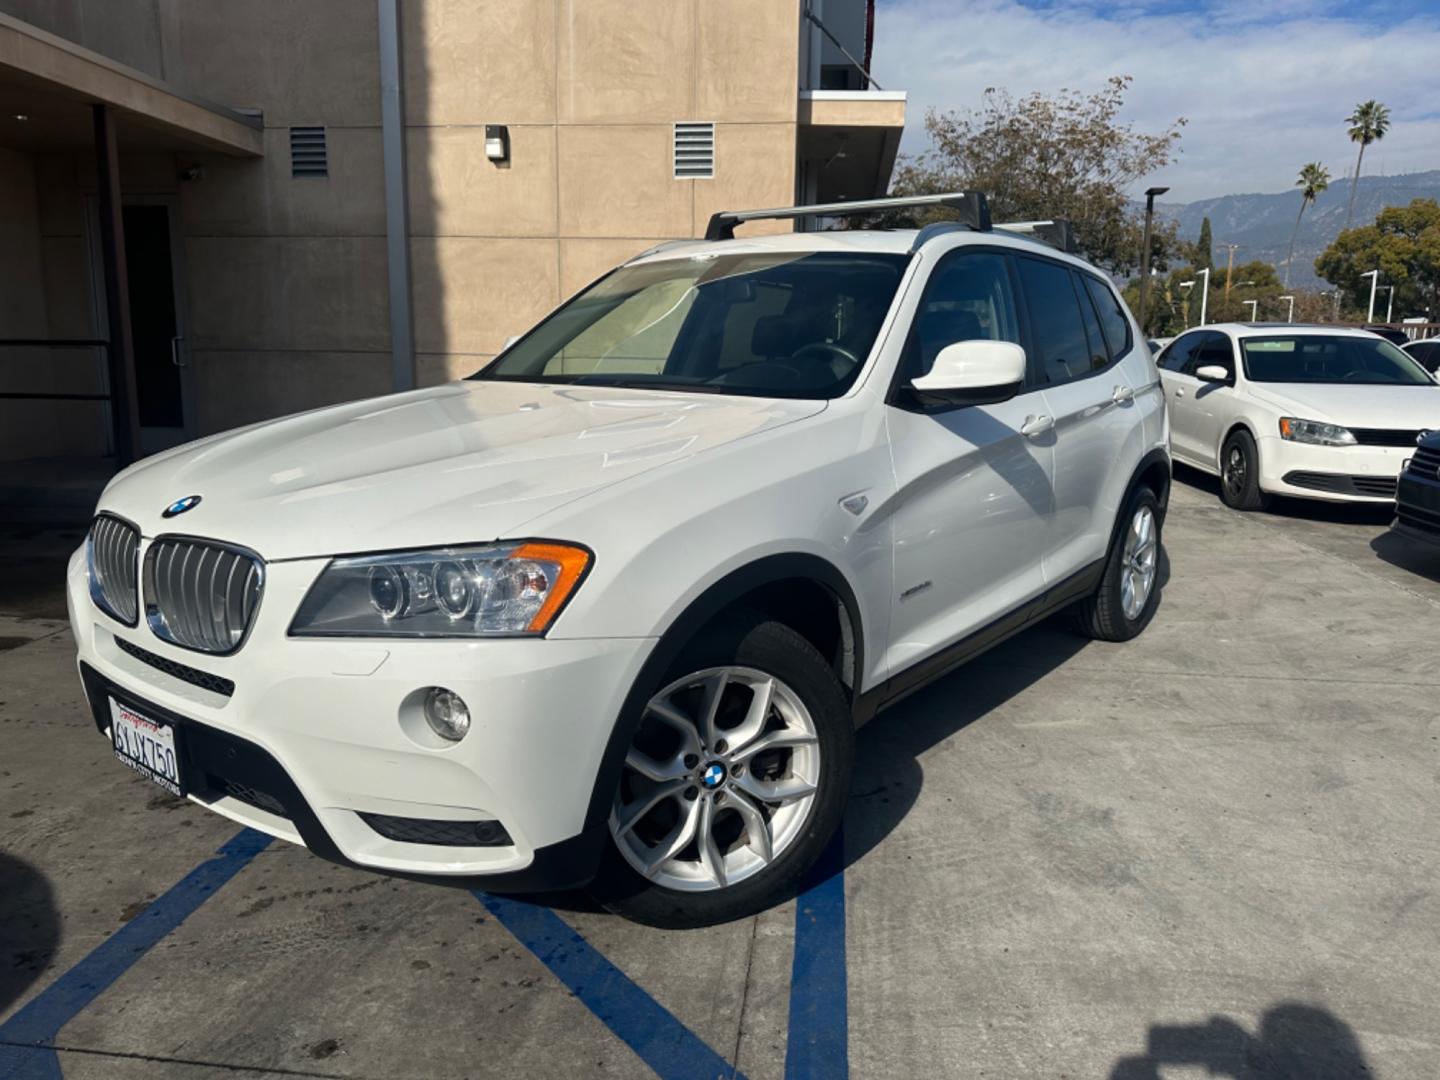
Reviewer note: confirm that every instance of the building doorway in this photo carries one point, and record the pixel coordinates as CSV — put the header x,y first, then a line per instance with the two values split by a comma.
x,y
163,391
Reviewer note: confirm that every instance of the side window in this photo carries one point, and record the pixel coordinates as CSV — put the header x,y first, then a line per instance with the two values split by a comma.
x,y
1112,316
967,298
1180,352
1099,356
1055,320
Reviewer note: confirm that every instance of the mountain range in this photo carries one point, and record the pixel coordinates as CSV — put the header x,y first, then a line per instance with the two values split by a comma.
x,y
1261,224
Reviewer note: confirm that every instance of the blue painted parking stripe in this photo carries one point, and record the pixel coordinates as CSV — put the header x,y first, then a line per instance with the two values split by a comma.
x,y
27,1037
642,1023
818,1042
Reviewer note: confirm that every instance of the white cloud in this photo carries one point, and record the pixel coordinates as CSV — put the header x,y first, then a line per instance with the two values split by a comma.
x,y
1265,85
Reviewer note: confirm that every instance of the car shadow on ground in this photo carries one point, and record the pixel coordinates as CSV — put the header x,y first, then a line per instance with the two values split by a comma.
x,y
29,927
888,775
1295,1042
1415,556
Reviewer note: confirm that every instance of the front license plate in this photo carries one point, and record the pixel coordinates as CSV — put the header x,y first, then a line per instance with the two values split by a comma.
x,y
147,746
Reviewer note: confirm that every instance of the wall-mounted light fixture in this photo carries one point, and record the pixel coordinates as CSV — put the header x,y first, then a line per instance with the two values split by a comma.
x,y
497,142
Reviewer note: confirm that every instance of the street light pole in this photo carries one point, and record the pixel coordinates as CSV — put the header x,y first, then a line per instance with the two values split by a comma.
x,y
1204,295
1145,249
1254,309
1290,317
1187,286
1374,276
1390,305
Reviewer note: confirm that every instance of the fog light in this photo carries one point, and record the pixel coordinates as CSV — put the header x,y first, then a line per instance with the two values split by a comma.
x,y
446,713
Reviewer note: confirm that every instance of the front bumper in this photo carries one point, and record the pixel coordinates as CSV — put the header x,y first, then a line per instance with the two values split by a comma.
x,y
1362,474
1417,507
329,730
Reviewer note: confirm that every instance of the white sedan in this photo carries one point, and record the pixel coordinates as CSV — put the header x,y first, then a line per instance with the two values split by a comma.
x,y
1317,412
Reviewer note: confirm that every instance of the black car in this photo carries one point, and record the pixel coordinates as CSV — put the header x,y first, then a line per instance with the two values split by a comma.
x,y
1426,353
1417,499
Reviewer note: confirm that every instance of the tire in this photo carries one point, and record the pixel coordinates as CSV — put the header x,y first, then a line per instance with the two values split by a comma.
x,y
1112,613
1240,473
719,787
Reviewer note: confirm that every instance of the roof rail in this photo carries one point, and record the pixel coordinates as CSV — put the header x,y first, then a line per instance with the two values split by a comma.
x,y
1058,233
974,211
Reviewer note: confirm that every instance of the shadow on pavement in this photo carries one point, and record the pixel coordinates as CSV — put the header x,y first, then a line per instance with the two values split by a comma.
x,y
1414,556
29,927
1295,1042
888,775
1378,514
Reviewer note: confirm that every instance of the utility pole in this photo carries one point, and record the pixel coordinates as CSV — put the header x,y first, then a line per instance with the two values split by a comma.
x,y
1229,272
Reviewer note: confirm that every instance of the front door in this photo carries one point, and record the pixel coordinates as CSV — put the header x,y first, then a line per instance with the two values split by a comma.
x,y
161,360
975,495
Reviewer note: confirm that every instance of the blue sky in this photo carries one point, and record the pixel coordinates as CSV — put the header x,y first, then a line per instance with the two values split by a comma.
x,y
1264,84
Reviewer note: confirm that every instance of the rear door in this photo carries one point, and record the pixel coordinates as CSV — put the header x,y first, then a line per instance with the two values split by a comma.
x,y
975,500
1090,397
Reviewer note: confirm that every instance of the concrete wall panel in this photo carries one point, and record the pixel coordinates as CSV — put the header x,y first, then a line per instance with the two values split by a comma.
x,y
243,197
315,62
432,369
277,293
626,61
619,181
469,63
747,60
456,190
754,168
237,388
471,294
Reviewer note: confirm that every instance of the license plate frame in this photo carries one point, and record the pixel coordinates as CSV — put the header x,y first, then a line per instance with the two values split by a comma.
x,y
149,746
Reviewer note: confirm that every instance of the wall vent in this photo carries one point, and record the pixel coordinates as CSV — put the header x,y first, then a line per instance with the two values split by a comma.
x,y
694,150
307,152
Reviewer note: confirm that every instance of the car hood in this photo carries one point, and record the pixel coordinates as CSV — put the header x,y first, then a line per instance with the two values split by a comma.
x,y
1404,408
464,462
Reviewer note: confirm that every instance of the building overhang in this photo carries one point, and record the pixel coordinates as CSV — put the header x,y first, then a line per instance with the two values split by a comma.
x,y
48,85
852,138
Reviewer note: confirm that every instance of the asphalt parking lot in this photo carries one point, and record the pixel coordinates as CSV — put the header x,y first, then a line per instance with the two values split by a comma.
x,y
1212,851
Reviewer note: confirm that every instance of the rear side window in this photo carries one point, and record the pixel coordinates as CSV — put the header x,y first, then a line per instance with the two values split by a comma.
x,y
1057,327
1099,356
1112,317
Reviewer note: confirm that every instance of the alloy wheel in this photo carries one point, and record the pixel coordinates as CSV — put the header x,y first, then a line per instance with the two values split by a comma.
x,y
719,782
1139,559
1236,469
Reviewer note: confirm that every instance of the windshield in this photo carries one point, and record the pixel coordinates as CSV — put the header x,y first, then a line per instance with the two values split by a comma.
x,y
1325,358
773,325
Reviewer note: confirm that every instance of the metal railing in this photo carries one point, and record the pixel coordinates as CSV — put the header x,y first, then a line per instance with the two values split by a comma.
x,y
52,343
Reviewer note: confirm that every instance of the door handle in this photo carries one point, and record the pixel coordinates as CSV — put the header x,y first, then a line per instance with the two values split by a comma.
x,y
176,357
1122,394
1179,391
1036,425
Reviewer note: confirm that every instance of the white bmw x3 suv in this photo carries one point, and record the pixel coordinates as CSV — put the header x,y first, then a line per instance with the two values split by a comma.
x,y
1316,412
609,610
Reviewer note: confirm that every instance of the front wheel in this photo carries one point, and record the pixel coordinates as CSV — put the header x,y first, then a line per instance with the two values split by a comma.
x,y
736,779
1240,474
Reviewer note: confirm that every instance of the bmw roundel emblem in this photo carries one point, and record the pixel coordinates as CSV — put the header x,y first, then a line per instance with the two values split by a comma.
x,y
714,775
179,506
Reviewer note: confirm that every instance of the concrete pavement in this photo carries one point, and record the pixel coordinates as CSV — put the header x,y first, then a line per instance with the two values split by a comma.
x,y
1214,847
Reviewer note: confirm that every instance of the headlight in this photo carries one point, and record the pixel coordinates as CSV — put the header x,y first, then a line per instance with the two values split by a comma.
x,y
1313,431
448,592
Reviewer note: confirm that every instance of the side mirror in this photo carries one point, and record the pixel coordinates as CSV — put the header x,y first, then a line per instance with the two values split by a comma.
x,y
972,373
1212,373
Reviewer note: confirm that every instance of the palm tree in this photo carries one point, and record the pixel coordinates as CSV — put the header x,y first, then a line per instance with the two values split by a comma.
x,y
1314,178
1368,123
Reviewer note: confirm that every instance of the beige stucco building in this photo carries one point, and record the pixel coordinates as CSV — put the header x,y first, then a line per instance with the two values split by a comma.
x,y
308,205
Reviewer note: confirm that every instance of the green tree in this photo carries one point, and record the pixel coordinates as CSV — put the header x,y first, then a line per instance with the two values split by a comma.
x,y
1370,122
1040,157
1403,244
1204,257
1314,178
